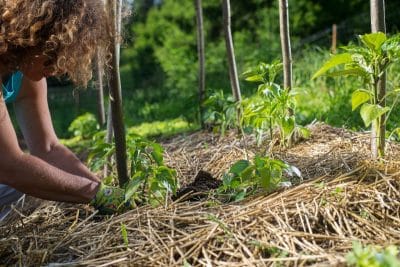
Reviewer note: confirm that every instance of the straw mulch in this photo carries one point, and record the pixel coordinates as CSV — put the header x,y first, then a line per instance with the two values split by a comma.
x,y
344,197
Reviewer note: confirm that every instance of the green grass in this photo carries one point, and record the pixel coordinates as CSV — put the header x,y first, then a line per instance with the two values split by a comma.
x,y
154,129
163,128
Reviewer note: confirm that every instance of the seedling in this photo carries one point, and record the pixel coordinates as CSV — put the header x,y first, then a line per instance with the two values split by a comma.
x,y
150,180
371,256
245,176
220,112
269,108
124,234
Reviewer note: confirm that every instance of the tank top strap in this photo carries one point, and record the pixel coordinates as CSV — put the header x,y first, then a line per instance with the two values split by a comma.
x,y
12,86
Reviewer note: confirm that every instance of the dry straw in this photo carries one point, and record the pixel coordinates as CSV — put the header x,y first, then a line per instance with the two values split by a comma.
x,y
344,197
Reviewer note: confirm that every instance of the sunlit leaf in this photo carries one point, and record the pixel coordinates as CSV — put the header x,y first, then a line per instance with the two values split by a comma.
x,y
304,132
288,125
352,71
255,78
359,97
371,112
334,61
157,153
374,40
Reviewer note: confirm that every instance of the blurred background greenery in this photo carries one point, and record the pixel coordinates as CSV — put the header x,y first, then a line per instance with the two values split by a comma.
x,y
159,60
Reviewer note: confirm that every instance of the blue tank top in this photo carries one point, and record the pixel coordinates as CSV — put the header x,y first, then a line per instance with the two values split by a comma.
x,y
12,87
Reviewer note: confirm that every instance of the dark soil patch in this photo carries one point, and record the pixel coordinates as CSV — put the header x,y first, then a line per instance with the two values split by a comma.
x,y
203,183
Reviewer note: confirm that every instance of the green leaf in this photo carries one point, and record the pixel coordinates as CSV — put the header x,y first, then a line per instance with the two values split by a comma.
x,y
396,132
133,185
157,153
186,264
124,234
370,113
265,178
288,126
241,195
359,97
333,62
304,132
255,78
374,40
247,173
353,71
227,179
239,167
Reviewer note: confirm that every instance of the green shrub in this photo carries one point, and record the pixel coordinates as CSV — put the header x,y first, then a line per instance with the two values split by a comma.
x,y
84,126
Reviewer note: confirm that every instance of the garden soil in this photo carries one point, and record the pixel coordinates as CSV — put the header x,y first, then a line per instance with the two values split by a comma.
x,y
341,197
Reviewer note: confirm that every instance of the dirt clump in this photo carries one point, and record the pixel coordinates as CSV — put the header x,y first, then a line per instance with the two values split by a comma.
x,y
203,183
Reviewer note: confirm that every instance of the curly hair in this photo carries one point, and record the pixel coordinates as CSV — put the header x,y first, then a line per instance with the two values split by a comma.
x,y
67,32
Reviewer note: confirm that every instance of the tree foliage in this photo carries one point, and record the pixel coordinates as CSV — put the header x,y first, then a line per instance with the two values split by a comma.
x,y
162,55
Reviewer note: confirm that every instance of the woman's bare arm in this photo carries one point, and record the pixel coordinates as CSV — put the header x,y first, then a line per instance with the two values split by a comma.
x,y
35,121
34,176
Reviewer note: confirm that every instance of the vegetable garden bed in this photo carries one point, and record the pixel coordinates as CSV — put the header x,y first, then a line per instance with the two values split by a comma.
x,y
343,197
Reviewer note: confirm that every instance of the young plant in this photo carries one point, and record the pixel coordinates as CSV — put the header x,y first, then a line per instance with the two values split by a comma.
x,y
263,172
270,107
368,61
83,128
150,181
220,112
371,256
124,234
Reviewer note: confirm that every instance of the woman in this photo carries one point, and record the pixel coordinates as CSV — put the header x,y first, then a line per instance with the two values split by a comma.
x,y
38,39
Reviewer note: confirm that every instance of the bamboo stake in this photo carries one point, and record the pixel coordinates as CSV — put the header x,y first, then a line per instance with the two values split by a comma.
x,y
378,126
116,100
334,38
201,55
226,7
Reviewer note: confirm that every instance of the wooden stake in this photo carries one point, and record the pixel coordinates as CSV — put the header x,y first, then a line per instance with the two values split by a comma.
x,y
116,101
201,55
378,129
334,39
226,7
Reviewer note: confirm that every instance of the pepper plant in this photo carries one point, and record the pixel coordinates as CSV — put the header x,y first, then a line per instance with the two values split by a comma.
x,y
150,181
246,176
220,112
271,106
369,61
